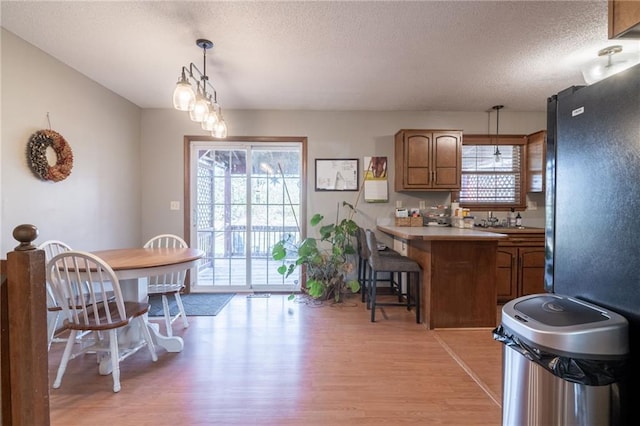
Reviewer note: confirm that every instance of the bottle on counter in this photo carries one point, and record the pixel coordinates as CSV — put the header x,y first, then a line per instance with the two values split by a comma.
x,y
512,218
518,219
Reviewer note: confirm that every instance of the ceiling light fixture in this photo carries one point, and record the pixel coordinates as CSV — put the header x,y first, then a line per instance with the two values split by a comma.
x,y
497,155
202,104
610,61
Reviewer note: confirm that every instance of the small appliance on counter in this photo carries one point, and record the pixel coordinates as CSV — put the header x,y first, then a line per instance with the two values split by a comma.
x,y
436,216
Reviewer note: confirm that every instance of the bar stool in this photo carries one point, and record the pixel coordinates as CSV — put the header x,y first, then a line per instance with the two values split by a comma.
x,y
392,264
363,265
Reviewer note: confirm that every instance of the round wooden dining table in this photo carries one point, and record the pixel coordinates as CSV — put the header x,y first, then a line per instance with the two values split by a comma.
x,y
133,266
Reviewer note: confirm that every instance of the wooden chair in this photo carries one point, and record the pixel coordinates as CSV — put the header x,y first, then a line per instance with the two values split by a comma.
x,y
52,248
68,273
168,284
393,264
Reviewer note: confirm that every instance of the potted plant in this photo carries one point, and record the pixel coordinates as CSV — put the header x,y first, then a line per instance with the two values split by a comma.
x,y
326,259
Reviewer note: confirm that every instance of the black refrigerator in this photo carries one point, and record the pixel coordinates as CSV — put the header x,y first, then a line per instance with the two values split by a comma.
x,y
593,200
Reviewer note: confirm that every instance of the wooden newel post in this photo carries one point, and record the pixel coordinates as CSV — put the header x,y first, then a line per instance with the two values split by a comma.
x,y
27,317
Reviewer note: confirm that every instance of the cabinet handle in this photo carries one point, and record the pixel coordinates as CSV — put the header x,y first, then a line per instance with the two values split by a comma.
x,y
433,177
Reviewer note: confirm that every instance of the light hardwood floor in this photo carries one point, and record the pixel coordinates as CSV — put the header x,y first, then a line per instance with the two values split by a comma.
x,y
269,361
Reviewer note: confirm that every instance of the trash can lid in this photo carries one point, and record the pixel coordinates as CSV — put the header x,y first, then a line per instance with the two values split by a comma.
x,y
567,326
558,311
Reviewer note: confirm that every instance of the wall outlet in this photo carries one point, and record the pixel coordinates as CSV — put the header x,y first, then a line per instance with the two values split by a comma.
x,y
174,205
532,205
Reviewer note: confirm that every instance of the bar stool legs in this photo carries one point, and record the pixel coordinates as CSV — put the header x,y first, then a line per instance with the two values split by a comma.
x,y
392,265
410,299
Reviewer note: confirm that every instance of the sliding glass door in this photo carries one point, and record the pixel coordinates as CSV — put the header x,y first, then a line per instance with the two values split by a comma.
x,y
245,196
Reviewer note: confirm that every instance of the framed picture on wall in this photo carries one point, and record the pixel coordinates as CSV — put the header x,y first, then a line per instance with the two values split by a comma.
x,y
337,174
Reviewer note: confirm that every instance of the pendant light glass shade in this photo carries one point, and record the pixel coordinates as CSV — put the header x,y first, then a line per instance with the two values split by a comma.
x,y
184,99
211,119
497,155
220,129
200,109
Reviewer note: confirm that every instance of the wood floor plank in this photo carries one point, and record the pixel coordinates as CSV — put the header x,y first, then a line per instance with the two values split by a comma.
x,y
269,361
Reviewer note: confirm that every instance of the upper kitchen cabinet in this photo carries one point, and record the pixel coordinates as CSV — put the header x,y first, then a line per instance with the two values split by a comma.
x,y
624,19
428,160
536,159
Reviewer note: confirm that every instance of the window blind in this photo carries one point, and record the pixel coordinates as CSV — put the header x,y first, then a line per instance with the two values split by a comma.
x,y
485,181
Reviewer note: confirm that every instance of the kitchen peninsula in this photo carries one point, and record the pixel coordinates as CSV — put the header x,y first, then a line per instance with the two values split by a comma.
x,y
458,273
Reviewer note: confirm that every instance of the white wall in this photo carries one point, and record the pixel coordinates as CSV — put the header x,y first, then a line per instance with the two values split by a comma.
x,y
330,135
128,163
98,205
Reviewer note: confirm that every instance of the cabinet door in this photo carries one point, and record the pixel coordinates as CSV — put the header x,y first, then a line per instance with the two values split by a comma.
x,y
531,261
536,161
428,160
506,274
417,160
624,19
447,160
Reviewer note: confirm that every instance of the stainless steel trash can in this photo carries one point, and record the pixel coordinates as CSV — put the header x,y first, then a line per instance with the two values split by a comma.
x,y
564,362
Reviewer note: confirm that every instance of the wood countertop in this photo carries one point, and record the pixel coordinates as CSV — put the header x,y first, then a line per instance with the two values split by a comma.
x,y
440,233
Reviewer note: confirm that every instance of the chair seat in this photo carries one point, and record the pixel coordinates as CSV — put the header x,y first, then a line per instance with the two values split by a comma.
x,y
78,301
397,264
132,310
165,288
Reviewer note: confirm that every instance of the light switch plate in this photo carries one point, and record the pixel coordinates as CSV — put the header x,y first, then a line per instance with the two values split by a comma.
x,y
532,205
175,205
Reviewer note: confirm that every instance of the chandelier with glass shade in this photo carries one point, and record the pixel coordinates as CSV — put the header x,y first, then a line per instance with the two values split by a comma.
x,y
202,104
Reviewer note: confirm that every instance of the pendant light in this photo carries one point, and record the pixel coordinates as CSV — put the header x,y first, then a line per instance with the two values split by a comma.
x,y
201,104
497,155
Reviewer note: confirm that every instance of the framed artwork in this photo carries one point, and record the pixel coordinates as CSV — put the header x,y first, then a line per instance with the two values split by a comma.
x,y
337,174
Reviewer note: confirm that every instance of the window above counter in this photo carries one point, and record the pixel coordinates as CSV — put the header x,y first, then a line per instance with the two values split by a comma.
x,y
497,182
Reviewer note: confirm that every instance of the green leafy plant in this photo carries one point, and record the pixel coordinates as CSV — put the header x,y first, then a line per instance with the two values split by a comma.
x,y
326,259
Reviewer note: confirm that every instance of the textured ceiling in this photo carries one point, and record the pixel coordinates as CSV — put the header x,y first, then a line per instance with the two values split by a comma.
x,y
423,55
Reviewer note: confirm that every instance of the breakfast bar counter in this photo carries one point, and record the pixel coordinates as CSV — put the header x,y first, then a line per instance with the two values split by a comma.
x,y
439,233
458,273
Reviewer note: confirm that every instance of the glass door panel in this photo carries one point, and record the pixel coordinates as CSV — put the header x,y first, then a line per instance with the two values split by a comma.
x,y
247,197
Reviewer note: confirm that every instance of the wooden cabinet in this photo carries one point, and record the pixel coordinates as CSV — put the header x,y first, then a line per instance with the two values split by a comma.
x,y
520,266
536,161
530,270
624,19
428,160
507,273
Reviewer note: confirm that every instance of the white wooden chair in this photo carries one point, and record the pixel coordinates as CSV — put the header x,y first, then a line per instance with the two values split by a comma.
x,y
52,248
95,311
168,284
54,311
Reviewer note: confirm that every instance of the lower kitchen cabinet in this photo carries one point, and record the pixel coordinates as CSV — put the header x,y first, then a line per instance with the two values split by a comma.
x,y
520,266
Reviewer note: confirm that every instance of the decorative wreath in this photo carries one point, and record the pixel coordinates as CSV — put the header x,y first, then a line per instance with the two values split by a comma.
x,y
37,153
